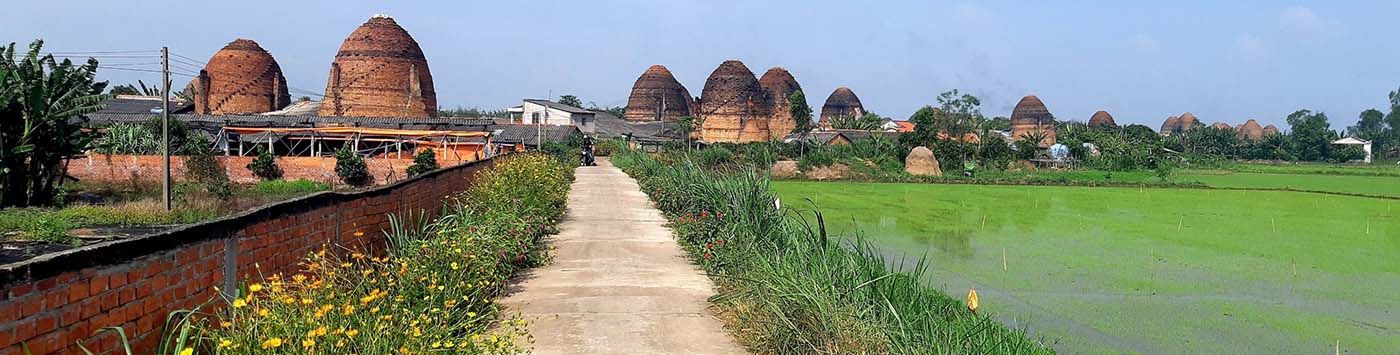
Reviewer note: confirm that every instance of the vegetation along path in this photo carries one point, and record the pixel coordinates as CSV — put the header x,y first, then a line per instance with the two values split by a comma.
x,y
619,283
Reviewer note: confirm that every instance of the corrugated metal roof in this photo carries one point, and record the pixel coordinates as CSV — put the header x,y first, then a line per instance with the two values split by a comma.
x,y
529,134
558,106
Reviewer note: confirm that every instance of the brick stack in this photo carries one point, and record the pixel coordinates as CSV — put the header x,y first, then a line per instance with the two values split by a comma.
x,y
380,72
1250,130
1170,126
657,96
780,86
734,107
1270,130
1186,122
841,103
1102,119
1031,116
241,78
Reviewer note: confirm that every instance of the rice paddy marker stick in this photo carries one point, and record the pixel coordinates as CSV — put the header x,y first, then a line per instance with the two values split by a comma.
x,y
1179,219
1273,223
1003,259
1339,347
1295,266
1368,225
984,222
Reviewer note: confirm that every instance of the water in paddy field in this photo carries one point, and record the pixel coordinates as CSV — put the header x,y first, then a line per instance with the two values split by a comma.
x,y
1097,270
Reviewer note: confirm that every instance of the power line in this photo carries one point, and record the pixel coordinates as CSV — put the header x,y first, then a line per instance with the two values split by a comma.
x,y
178,57
144,70
108,52
190,62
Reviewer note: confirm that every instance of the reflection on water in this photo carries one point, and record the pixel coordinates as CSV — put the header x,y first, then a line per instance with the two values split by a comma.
x,y
954,243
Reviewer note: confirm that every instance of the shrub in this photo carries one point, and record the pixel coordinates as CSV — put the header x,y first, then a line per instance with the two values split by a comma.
x,y
351,168
37,224
204,170
128,138
605,147
423,162
265,165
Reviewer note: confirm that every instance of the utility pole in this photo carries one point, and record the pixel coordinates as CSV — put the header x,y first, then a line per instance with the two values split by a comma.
x,y
165,121
539,131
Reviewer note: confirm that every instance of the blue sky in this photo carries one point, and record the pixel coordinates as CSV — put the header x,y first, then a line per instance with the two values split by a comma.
x,y
1222,60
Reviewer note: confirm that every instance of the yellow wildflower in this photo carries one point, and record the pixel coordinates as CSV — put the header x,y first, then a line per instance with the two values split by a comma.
x,y
255,288
272,343
239,303
308,343
352,333
187,351
225,343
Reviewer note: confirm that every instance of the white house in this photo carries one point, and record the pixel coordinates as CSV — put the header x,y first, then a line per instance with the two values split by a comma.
x,y
1365,146
536,111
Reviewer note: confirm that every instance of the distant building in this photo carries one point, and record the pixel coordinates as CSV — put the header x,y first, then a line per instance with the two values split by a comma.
x,y
536,111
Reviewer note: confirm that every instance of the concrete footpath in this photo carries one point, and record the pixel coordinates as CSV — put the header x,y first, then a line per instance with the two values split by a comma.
x,y
619,283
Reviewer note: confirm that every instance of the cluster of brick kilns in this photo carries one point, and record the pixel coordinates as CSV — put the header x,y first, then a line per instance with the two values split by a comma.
x,y
380,71
734,106
1249,130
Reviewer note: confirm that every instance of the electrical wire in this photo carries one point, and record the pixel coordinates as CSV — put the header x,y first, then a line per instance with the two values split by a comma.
x,y
106,52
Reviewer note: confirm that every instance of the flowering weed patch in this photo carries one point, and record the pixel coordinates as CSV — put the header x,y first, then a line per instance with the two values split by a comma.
x,y
432,293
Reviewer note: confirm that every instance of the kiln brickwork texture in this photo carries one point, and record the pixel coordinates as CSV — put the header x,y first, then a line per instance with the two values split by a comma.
x,y
657,96
380,71
841,103
241,78
780,85
53,301
1031,116
733,106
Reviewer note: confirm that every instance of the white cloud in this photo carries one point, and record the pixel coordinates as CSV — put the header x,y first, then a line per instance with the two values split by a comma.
x,y
1249,47
1303,21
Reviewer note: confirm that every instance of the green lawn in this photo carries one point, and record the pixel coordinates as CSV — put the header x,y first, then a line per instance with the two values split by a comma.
x,y
1146,270
1356,184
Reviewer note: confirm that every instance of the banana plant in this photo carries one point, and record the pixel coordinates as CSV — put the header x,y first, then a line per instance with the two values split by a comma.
x,y
41,121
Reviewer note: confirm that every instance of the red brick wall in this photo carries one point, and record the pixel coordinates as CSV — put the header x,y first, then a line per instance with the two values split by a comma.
x,y
52,301
149,168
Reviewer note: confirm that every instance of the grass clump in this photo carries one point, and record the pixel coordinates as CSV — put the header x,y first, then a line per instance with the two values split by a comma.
x,y
287,188
432,292
788,287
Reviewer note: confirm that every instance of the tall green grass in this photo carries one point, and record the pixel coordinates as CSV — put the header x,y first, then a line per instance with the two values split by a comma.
x,y
789,288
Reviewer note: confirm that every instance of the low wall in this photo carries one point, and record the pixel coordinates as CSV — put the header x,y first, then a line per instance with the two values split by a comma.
x,y
149,168
52,301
